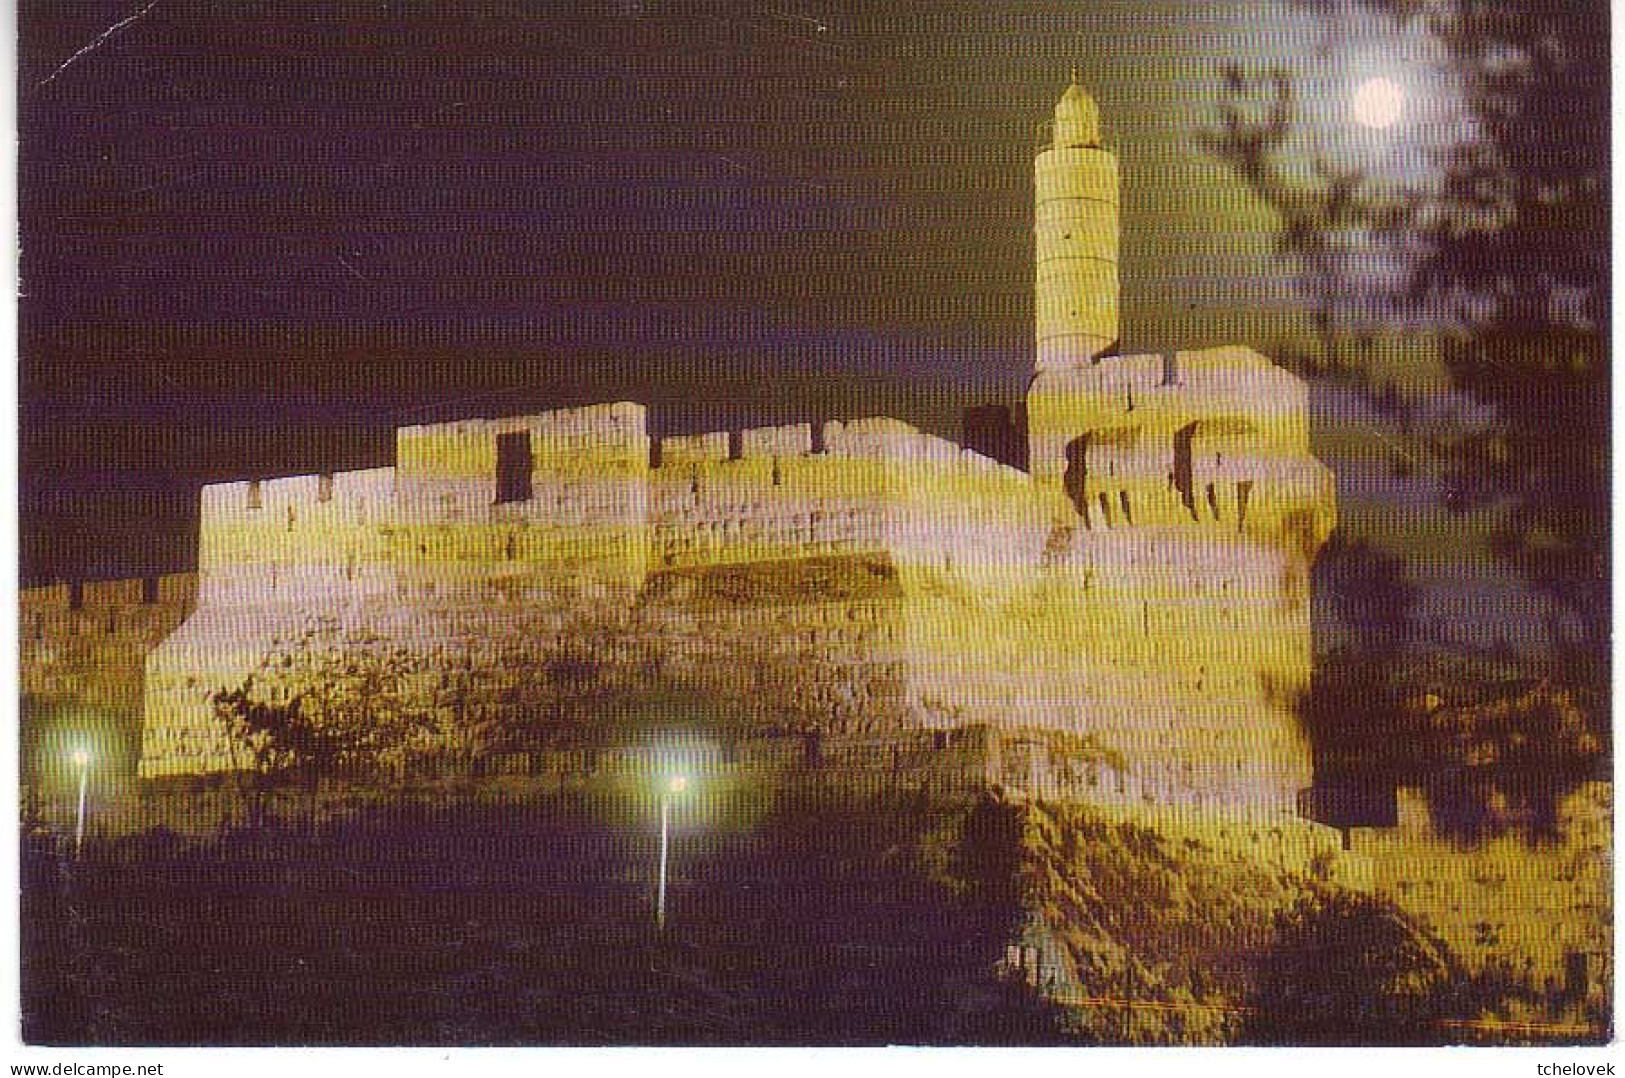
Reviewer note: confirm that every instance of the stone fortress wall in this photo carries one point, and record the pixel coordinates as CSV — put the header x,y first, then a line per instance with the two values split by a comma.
x,y
88,642
1143,583
82,653
887,579
1126,621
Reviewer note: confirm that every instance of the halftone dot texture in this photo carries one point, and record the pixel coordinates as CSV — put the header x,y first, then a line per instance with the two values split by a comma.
x,y
1024,714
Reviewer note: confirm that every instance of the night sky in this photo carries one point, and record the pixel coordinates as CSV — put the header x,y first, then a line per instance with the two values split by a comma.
x,y
258,237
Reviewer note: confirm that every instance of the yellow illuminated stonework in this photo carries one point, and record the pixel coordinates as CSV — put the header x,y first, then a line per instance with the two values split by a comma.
x,y
1076,232
1151,593
1125,621
1145,584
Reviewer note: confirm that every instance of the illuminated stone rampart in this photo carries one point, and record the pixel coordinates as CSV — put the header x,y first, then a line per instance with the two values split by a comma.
x,y
889,579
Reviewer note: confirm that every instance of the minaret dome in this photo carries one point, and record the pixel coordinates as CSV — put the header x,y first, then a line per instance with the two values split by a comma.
x,y
1077,118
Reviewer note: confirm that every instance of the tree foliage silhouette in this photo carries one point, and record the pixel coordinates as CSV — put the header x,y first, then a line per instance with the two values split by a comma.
x,y
1505,257
328,702
1347,969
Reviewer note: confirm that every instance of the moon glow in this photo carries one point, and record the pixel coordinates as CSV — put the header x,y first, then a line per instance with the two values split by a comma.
x,y
1378,103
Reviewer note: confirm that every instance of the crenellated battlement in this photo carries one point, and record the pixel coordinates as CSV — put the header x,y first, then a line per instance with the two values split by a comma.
x,y
768,443
83,648
619,423
358,496
1169,390
689,449
875,438
1143,578
473,449
1165,395
765,493
1160,523
461,463
1211,438
168,590
1167,518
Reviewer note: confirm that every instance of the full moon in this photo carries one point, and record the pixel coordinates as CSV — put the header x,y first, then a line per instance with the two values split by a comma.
x,y
1378,103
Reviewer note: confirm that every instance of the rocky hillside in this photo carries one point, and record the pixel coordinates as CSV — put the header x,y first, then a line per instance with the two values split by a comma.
x,y
812,912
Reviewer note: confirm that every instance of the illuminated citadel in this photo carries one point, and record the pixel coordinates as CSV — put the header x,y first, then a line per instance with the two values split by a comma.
x,y
1146,583
1140,588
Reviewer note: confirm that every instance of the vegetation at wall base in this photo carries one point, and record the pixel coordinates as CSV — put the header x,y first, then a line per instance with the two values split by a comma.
x,y
826,917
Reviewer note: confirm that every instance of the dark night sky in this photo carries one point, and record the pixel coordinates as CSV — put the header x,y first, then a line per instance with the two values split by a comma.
x,y
257,237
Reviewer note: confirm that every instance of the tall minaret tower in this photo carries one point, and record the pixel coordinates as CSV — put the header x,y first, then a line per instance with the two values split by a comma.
x,y
1075,222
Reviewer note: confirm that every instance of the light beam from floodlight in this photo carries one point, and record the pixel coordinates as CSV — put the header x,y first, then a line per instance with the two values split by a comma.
x,y
81,760
674,786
